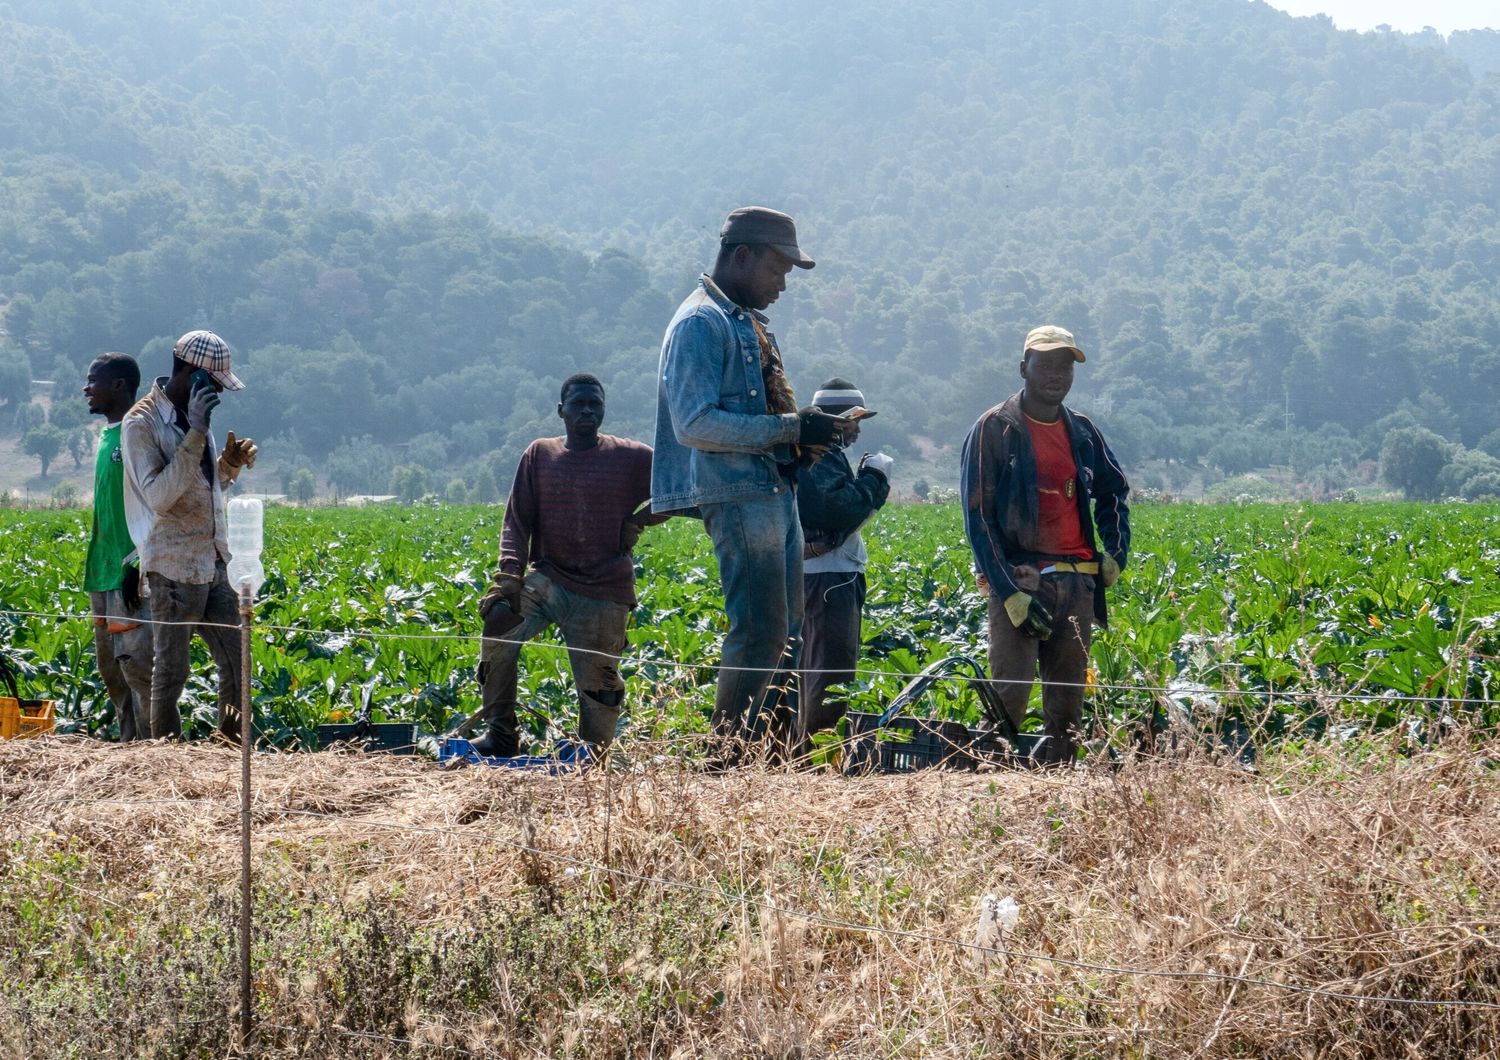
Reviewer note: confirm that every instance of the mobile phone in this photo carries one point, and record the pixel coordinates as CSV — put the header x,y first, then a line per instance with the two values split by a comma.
x,y
201,379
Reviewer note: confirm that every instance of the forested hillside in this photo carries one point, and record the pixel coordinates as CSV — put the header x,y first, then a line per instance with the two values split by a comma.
x,y
412,223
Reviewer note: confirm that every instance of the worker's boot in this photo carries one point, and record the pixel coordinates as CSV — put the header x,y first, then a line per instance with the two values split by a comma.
x,y
500,739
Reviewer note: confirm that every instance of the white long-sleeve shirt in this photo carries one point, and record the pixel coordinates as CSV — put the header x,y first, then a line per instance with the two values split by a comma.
x,y
174,512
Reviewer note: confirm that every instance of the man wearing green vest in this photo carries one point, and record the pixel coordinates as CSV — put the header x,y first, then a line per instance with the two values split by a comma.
x,y
122,640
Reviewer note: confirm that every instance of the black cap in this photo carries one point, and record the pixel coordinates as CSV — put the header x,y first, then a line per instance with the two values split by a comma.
x,y
762,226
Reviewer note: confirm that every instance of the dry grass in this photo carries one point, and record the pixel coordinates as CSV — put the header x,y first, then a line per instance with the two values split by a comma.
x,y
1356,870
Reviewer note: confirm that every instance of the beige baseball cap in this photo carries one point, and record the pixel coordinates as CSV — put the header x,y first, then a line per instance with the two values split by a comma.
x,y
1052,337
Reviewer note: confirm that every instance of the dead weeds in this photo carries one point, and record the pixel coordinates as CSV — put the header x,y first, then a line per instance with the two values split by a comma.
x,y
403,910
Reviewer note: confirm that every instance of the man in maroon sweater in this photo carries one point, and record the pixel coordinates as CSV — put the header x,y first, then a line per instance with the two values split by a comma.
x,y
565,559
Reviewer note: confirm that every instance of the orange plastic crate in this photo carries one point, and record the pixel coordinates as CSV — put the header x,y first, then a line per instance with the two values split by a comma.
x,y
24,718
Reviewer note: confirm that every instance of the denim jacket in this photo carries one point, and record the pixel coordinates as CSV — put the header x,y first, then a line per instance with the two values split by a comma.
x,y
715,441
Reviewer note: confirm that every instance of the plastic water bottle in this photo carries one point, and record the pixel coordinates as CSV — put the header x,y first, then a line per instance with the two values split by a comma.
x,y
246,519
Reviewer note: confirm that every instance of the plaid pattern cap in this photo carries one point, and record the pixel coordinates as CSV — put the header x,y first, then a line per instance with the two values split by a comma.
x,y
206,350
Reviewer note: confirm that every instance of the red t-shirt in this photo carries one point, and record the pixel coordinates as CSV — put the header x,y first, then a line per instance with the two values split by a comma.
x,y
1058,527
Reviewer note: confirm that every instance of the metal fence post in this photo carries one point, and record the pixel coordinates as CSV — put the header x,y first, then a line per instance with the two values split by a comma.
x,y
247,726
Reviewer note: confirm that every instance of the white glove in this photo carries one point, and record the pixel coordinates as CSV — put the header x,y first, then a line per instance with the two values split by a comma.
x,y
200,407
878,462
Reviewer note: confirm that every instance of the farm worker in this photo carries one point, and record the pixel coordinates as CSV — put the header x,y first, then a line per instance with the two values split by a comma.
x,y
174,504
122,641
1040,488
834,499
575,512
729,435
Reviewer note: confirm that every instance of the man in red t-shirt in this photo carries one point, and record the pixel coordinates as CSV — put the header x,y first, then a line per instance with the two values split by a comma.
x,y
571,521
1038,483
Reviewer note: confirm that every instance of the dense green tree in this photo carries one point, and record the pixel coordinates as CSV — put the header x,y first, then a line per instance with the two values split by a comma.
x,y
302,486
28,416
409,483
15,377
359,465
1412,459
1468,474
44,443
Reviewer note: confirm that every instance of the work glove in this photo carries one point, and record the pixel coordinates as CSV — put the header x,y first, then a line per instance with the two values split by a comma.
x,y
819,427
630,533
200,407
506,589
879,463
130,589
240,452
1109,570
1029,615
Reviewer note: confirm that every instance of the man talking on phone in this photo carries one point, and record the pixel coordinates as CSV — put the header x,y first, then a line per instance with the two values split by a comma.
x,y
174,506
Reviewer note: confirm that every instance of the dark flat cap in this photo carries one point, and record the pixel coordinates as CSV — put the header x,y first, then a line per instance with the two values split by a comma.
x,y
762,226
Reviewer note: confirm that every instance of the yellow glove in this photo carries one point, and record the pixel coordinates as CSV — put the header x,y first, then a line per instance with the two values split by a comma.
x,y
1029,615
239,453
1109,570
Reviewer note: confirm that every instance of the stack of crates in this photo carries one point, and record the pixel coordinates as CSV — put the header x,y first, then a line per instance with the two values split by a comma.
x,y
21,719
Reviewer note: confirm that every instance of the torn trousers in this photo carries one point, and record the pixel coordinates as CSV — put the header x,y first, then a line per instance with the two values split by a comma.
x,y
593,630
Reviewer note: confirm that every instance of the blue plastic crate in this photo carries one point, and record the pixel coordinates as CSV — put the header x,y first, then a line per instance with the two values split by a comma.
x,y
567,757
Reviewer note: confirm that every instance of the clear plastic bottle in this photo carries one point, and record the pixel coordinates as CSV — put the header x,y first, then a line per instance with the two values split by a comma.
x,y
246,520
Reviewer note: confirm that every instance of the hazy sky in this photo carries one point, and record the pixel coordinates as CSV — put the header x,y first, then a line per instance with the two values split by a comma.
x,y
1406,15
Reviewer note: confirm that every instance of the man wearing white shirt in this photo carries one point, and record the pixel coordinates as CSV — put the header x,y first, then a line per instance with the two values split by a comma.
x,y
174,505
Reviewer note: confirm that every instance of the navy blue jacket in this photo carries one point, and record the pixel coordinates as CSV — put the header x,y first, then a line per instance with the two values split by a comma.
x,y
1001,504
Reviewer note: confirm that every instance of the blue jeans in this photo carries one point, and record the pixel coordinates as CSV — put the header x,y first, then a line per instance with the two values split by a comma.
x,y
759,546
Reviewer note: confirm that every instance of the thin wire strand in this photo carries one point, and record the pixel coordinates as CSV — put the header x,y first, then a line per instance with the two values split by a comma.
x,y
749,901
640,661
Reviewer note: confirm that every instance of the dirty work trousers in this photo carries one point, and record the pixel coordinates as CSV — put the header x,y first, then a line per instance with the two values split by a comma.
x,y
1063,660
124,661
758,543
833,604
213,612
593,630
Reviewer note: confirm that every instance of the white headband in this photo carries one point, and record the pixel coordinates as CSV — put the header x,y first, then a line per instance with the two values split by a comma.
x,y
839,397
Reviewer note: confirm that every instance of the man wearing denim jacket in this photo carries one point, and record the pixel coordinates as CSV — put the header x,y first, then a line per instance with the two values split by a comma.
x,y
729,436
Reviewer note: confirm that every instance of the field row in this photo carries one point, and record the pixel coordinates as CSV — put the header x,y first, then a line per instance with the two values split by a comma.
x,y
1263,618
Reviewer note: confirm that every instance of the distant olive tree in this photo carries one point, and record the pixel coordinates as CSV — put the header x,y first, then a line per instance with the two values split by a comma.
x,y
1412,459
78,444
44,443
408,483
302,486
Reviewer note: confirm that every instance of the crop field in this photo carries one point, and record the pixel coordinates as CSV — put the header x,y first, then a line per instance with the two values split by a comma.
x,y
1264,622
1340,900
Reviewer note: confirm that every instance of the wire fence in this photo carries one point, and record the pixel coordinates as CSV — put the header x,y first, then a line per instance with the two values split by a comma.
x,y
1184,688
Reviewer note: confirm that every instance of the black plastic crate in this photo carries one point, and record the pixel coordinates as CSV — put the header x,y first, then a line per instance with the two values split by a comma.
x,y
387,737
905,745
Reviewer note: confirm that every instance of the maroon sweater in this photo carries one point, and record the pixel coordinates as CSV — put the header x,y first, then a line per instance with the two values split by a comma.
x,y
567,509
